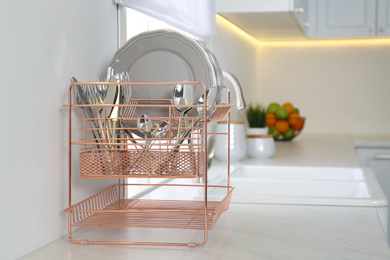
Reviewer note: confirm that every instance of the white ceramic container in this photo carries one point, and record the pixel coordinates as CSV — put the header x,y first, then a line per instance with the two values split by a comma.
x,y
260,146
237,141
257,131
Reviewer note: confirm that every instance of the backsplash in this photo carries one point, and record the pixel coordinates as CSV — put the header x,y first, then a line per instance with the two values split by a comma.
x,y
341,87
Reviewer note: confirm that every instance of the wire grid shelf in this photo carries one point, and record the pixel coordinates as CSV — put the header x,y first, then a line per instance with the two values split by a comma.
x,y
107,209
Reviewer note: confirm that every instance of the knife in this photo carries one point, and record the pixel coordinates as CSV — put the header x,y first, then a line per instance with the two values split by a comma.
x,y
88,111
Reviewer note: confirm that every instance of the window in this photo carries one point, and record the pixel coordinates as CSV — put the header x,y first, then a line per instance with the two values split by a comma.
x,y
194,17
137,22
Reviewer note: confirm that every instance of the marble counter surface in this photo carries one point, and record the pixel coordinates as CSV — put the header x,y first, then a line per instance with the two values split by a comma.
x,y
255,231
250,232
313,150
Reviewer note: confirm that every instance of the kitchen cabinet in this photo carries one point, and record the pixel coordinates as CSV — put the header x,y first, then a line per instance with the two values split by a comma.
x,y
383,19
305,14
271,20
343,18
378,159
303,19
346,18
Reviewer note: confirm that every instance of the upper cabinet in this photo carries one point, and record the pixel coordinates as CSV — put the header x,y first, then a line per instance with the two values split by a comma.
x,y
300,19
383,18
343,18
304,12
263,19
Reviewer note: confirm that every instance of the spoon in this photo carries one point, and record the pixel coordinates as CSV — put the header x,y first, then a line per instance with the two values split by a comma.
x,y
158,130
183,95
144,125
201,115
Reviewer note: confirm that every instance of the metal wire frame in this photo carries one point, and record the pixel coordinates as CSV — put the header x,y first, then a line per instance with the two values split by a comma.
x,y
108,209
203,214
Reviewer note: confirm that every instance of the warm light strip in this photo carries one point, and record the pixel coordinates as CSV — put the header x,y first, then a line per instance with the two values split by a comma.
x,y
237,30
311,42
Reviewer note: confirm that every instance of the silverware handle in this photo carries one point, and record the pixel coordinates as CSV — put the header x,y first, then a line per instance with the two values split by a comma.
x,y
186,134
88,112
176,148
140,153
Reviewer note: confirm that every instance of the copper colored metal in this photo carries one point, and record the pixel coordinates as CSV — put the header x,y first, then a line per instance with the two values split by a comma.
x,y
107,209
161,157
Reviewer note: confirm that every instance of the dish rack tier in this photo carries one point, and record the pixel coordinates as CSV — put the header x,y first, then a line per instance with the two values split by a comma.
x,y
112,146
108,209
111,143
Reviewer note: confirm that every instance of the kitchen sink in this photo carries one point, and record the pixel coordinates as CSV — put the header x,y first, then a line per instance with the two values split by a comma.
x,y
307,185
291,185
299,173
316,186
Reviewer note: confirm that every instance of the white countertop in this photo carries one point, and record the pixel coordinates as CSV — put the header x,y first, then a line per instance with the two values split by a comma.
x,y
313,150
258,231
255,232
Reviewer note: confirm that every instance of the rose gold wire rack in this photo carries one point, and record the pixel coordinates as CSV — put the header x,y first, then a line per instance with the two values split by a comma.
x,y
114,150
107,209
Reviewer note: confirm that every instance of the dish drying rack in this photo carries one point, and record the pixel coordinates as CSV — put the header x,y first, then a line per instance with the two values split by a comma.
x,y
115,153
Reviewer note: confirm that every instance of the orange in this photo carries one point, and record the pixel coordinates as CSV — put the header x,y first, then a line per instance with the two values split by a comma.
x,y
293,119
282,126
289,107
270,119
299,125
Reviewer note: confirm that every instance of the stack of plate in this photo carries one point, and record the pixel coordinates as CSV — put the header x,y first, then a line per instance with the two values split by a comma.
x,y
168,56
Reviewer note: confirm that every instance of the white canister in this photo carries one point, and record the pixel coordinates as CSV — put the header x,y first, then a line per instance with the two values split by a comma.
x,y
237,141
260,146
257,131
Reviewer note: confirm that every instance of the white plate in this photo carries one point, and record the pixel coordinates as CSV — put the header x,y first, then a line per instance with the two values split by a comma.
x,y
167,56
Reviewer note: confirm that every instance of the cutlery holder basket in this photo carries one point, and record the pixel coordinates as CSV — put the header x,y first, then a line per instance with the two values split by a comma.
x,y
119,147
151,164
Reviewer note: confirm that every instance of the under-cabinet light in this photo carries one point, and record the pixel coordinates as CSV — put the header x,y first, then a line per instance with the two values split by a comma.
x,y
311,42
237,30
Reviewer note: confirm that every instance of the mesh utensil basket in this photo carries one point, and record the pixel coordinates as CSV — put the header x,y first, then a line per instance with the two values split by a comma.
x,y
162,164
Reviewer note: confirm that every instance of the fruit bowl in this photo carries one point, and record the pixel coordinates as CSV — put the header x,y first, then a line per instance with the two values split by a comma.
x,y
284,121
288,136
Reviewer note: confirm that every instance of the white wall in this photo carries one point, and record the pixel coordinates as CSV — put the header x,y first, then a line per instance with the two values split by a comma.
x,y
237,54
43,44
340,87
